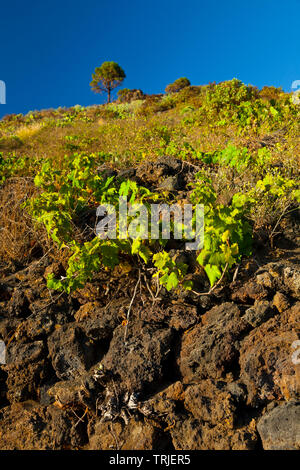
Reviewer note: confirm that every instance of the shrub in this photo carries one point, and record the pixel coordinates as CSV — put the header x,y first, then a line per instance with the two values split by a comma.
x,y
126,95
269,200
229,93
189,94
271,93
150,105
178,85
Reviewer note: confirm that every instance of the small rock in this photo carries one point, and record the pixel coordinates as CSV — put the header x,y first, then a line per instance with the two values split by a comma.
x,y
98,322
208,350
179,316
55,268
281,302
265,361
134,436
291,276
174,392
65,392
26,370
153,172
106,172
29,426
127,174
18,305
169,184
172,164
24,354
265,279
259,313
209,401
237,391
71,351
280,428
250,291
139,360
39,325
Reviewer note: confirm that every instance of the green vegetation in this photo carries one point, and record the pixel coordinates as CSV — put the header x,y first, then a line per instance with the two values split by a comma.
x,y
106,78
227,232
126,95
178,85
241,146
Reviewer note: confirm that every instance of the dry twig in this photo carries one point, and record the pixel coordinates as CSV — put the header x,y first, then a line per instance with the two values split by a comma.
x,y
130,305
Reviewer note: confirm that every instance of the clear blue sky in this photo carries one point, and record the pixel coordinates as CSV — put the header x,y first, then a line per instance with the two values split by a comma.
x,y
50,48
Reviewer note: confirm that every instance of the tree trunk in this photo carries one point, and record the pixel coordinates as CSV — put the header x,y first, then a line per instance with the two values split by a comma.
x,y
108,95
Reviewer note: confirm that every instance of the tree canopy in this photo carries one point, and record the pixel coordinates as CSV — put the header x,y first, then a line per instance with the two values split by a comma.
x,y
106,78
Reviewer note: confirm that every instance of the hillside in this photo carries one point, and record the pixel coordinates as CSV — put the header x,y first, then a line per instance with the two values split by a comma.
x,y
140,343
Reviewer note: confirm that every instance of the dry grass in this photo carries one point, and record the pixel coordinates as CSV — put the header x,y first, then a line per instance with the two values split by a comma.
x,y
19,238
27,132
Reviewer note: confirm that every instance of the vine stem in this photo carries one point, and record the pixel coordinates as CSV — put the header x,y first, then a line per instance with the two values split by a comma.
x,y
130,305
284,212
213,288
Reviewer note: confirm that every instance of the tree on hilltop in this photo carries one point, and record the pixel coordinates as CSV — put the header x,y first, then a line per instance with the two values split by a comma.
x,y
106,78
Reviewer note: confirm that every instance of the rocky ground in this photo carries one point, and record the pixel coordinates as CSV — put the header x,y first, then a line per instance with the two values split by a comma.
x,y
212,371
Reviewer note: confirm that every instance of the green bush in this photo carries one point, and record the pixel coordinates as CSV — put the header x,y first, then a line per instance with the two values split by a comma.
x,y
126,95
178,85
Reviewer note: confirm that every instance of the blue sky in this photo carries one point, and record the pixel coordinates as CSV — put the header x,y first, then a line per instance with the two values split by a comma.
x,y
49,49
